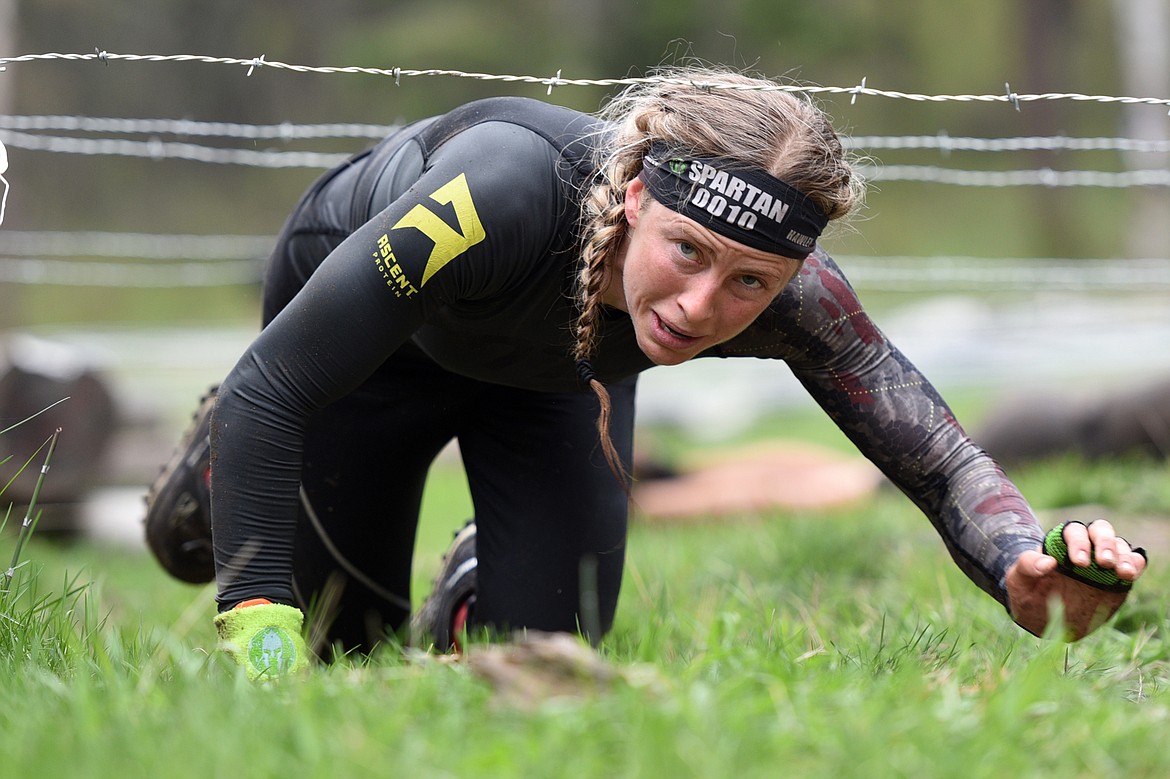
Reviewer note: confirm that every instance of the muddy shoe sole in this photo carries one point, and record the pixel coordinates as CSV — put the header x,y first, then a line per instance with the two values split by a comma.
x,y
178,504
433,626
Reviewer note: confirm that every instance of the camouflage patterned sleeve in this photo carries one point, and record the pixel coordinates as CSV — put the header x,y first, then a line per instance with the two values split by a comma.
x,y
897,419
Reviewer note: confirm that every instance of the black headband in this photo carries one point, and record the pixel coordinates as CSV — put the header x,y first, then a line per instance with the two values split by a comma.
x,y
744,204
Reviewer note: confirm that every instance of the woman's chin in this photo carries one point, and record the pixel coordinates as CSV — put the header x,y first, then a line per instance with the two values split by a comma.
x,y
661,355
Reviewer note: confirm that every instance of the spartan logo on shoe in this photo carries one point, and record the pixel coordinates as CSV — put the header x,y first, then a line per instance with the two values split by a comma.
x,y
271,652
744,204
448,242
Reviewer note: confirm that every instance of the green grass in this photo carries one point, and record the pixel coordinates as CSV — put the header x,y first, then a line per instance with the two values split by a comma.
x,y
816,644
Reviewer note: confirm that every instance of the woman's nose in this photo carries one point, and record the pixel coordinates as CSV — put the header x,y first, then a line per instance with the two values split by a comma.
x,y
698,299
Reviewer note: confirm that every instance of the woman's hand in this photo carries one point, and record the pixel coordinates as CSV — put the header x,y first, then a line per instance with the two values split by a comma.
x,y
1035,579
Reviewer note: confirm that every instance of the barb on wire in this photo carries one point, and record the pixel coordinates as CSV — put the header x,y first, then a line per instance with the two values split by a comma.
x,y
856,91
1012,97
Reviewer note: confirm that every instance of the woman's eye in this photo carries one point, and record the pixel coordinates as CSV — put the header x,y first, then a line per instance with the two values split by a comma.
x,y
687,250
751,282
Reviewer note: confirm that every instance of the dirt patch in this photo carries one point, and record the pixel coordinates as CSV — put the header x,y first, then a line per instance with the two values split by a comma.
x,y
537,667
757,479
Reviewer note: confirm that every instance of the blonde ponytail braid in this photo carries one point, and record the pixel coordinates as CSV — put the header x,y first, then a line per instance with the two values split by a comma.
x,y
606,228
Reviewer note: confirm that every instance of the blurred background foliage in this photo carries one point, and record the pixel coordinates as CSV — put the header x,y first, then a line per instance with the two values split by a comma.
x,y
964,46
979,47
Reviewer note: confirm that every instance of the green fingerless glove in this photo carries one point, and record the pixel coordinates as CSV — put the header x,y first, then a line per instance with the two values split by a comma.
x,y
265,638
1093,575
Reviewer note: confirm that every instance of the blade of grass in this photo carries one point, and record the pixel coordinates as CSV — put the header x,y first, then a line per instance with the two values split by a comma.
x,y
26,526
34,416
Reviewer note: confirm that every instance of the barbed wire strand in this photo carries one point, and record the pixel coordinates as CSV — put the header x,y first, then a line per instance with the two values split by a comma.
x,y
946,143
899,274
948,272
290,131
32,257
1043,177
70,273
285,131
156,149
254,63
156,246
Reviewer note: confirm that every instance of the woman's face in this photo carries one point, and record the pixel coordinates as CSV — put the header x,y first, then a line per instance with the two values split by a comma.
x,y
685,287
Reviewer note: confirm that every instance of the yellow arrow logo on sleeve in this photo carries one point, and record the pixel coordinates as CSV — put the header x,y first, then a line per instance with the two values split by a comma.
x,y
449,243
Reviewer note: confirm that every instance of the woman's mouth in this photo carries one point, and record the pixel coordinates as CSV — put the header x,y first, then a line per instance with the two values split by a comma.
x,y
673,336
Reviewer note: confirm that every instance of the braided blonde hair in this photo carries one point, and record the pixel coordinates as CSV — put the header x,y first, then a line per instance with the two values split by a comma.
x,y
699,112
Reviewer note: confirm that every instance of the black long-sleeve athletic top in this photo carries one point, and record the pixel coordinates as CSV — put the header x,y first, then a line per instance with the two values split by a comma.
x,y
465,238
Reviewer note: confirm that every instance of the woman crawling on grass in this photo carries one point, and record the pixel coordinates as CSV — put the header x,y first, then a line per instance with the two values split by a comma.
x,y
500,275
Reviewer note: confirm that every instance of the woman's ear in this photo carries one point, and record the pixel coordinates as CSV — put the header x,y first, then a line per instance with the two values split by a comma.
x,y
634,200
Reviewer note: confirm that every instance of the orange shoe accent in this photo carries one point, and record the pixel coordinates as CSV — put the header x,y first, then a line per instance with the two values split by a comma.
x,y
459,624
253,602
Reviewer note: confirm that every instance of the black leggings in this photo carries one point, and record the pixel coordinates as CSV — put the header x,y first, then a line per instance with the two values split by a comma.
x,y
544,498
